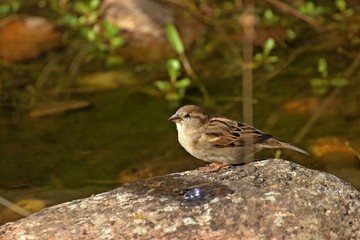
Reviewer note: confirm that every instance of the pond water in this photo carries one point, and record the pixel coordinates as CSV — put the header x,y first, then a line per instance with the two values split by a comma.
x,y
59,158
125,135
120,139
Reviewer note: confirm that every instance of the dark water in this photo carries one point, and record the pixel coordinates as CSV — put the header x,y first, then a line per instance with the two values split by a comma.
x,y
59,158
121,139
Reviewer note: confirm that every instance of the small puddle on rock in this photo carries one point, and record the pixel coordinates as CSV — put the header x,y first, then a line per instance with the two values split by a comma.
x,y
187,193
201,194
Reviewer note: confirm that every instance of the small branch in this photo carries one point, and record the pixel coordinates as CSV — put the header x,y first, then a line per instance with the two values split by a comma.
x,y
194,77
248,22
14,207
75,65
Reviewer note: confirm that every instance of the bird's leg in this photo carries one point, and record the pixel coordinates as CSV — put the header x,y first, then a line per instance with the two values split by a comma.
x,y
213,167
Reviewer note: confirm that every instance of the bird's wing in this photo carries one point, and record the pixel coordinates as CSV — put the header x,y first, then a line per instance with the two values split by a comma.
x,y
224,132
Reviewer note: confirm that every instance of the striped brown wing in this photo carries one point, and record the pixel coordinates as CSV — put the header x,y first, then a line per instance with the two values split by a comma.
x,y
224,132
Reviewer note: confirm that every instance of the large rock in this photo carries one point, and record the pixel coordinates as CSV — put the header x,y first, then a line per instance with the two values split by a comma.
x,y
272,199
23,38
142,24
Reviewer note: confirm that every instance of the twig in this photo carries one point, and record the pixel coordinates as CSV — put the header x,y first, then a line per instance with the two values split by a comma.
x,y
187,66
75,64
248,23
14,207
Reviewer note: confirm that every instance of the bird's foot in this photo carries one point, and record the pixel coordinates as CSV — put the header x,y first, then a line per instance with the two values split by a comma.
x,y
213,167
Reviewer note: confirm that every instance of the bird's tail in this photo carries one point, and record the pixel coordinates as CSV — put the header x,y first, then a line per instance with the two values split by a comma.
x,y
274,143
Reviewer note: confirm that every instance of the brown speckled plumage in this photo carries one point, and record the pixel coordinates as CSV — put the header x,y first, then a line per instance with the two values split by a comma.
x,y
219,139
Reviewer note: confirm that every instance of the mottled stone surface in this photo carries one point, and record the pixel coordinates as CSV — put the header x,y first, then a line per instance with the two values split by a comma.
x,y
271,199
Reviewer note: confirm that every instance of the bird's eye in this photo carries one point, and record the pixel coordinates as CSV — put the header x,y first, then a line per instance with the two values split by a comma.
x,y
187,115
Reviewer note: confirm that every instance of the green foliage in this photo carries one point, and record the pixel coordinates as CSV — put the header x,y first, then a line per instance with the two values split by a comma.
x,y
291,34
341,5
309,8
344,10
322,68
173,90
265,57
178,46
9,7
173,67
269,18
103,37
324,83
174,38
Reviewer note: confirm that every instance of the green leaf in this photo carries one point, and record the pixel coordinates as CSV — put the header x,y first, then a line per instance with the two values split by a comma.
x,y
117,42
339,82
183,83
102,46
162,85
273,59
268,14
172,96
174,38
309,8
291,34
110,30
173,67
270,17
173,64
89,33
318,82
94,4
322,67
258,57
319,86
81,20
70,20
82,7
92,17
268,46
341,5
114,60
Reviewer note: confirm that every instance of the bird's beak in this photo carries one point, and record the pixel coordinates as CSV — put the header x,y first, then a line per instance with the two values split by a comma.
x,y
175,118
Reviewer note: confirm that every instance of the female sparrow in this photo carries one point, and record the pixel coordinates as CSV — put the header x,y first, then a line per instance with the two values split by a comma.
x,y
218,139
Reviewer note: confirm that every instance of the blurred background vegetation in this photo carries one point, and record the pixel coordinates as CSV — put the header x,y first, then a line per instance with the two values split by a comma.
x,y
86,88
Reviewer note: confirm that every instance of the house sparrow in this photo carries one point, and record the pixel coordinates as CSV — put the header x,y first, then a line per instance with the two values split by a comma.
x,y
221,140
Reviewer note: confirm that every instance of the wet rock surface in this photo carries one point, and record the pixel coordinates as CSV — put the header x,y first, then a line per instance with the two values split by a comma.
x,y
267,199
